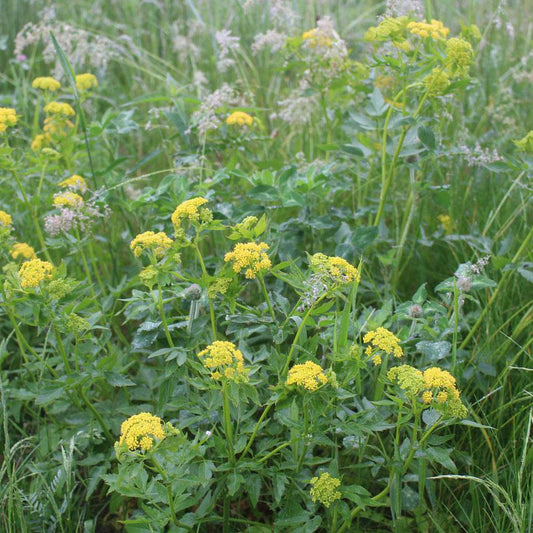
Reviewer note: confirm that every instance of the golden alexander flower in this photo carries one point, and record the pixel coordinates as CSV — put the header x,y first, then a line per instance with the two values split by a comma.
x,y
46,83
8,118
316,37
308,375
32,272
158,243
5,219
188,210
22,250
225,360
324,489
435,29
75,182
239,118
434,386
68,199
382,339
59,108
447,223
459,56
140,431
250,257
39,142
86,81
337,269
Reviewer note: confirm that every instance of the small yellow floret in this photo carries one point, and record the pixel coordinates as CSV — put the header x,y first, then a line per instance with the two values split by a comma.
x,y
75,182
68,199
5,219
139,431
325,488
239,118
8,118
32,272
21,249
337,269
59,108
316,37
188,210
158,243
46,83
250,257
308,375
86,81
435,29
383,339
224,359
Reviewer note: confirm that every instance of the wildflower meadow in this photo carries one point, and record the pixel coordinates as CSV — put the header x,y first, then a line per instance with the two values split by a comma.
x,y
266,266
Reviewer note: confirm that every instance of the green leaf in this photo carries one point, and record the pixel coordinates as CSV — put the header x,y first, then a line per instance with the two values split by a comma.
x,y
427,137
253,488
441,456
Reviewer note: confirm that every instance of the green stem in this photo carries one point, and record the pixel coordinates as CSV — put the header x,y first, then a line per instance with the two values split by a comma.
x,y
273,452
455,324
62,350
170,498
228,428
211,308
298,333
96,414
267,297
163,316
254,432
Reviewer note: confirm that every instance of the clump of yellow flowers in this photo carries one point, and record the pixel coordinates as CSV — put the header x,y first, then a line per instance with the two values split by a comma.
x,y
22,250
337,269
435,29
316,37
390,28
5,219
46,83
8,118
250,257
459,56
157,243
33,272
434,386
86,81
225,360
59,108
75,183
68,199
239,118
324,489
382,340
192,211
308,375
139,431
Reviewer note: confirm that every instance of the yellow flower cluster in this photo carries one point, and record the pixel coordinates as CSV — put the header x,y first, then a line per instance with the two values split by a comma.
x,y
39,142
59,108
325,488
239,118
526,143
84,82
158,243
435,29
336,268
139,431
46,83
308,375
250,257
68,199
390,28
447,223
225,360
434,386
382,339
315,38
22,250
75,182
459,56
32,272
436,82
5,219
8,117
188,210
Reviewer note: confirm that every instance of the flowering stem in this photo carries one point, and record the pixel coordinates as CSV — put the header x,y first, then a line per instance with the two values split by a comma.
x,y
33,215
378,394
254,432
170,498
96,414
299,332
228,428
62,351
267,297
211,308
163,316
273,452
455,324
